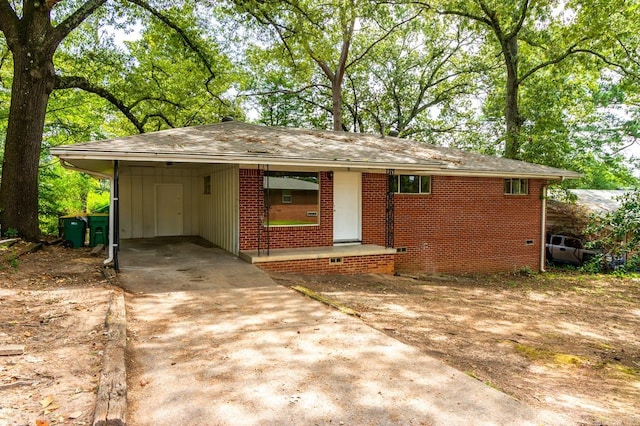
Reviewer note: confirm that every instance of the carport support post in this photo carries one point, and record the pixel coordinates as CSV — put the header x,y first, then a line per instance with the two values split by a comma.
x,y
116,213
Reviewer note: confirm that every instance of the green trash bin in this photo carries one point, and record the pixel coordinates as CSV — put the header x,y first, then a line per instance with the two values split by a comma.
x,y
74,229
98,229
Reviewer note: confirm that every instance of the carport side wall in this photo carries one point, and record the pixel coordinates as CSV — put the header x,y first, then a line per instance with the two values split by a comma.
x,y
468,224
219,208
138,202
251,207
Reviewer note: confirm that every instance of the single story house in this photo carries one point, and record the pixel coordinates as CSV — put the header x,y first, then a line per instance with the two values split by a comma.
x,y
371,204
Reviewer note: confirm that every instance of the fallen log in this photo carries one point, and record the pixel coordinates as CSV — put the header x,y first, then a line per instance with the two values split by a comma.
x,y
111,403
97,249
9,350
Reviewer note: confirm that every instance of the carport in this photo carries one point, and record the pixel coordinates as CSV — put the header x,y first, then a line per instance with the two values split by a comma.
x,y
213,340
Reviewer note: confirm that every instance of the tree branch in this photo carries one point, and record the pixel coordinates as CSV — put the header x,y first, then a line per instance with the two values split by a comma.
x,y
523,15
8,22
183,35
570,51
381,39
72,21
69,82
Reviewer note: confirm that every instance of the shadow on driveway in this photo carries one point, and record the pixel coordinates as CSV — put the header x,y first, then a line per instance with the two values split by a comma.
x,y
213,340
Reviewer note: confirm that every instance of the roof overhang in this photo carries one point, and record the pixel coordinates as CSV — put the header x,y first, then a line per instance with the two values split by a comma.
x,y
101,164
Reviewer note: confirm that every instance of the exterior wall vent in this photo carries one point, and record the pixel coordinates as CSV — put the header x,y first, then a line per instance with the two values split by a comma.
x,y
335,260
529,242
401,250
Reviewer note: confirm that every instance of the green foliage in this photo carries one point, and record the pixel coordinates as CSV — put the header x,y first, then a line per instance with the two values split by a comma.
x,y
617,234
11,233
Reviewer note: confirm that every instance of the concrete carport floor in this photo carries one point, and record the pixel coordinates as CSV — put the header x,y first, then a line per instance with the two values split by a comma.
x,y
214,341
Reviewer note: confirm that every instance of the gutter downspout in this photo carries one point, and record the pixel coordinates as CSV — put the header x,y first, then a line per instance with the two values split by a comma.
x,y
543,229
114,217
111,179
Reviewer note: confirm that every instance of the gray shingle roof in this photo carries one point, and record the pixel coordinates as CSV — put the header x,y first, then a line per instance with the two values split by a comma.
x,y
236,142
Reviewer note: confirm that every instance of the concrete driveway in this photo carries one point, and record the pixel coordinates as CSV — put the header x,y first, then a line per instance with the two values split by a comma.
x,y
214,341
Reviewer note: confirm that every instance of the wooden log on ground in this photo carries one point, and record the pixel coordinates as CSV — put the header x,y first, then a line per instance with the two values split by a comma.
x,y
312,294
111,404
55,242
31,249
97,249
9,350
9,242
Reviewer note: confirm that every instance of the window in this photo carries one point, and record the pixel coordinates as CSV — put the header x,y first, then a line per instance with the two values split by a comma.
x,y
291,198
412,184
516,186
207,185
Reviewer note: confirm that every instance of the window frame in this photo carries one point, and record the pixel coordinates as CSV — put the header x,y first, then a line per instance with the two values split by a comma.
x,y
521,182
397,187
318,177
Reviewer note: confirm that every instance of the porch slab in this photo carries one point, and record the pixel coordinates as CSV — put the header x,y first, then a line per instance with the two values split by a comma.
x,y
312,253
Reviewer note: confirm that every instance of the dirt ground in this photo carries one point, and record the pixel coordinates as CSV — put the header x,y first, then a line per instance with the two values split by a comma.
x,y
53,302
564,341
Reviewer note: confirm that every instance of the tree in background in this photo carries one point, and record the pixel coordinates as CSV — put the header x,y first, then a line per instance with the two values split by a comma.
x,y
617,233
333,35
35,34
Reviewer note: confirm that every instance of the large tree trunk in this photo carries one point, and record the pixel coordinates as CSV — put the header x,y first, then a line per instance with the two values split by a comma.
x,y
512,109
33,80
336,94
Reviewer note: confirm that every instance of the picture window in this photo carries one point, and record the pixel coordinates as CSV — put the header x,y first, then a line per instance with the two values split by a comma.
x,y
289,197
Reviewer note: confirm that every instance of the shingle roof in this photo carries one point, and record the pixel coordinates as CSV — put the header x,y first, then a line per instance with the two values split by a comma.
x,y
236,142
599,200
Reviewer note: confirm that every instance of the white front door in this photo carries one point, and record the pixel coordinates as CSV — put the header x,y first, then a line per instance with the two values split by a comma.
x,y
347,195
168,209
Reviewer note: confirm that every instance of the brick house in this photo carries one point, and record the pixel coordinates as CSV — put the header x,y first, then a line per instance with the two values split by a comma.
x,y
370,204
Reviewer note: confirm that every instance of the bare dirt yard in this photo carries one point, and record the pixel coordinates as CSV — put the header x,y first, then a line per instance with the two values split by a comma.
x,y
53,303
562,340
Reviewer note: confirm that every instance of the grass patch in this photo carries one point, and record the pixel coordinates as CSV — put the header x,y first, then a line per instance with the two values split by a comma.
x,y
544,355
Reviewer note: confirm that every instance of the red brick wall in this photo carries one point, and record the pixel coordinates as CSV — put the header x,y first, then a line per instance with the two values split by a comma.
x,y
375,264
252,202
468,225
374,206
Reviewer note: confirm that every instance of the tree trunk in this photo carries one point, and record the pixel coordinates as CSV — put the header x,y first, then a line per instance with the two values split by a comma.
x,y
33,80
336,95
512,110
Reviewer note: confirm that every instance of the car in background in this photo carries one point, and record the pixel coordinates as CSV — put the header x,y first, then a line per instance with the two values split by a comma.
x,y
567,249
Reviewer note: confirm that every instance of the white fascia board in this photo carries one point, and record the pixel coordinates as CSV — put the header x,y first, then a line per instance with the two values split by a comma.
x,y
435,168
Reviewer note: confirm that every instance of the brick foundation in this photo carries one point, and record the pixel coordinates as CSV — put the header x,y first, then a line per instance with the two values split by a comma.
x,y
375,264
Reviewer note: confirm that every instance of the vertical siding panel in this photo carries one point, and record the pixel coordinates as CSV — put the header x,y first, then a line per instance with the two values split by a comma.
x,y
218,212
137,223
125,207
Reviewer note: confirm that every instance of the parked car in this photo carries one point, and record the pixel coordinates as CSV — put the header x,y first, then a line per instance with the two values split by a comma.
x,y
566,249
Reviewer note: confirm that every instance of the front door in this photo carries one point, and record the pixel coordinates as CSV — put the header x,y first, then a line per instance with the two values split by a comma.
x,y
168,209
347,195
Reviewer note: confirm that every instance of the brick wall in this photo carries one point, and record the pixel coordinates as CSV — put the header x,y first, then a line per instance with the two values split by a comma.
x,y
374,206
252,202
375,264
468,225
